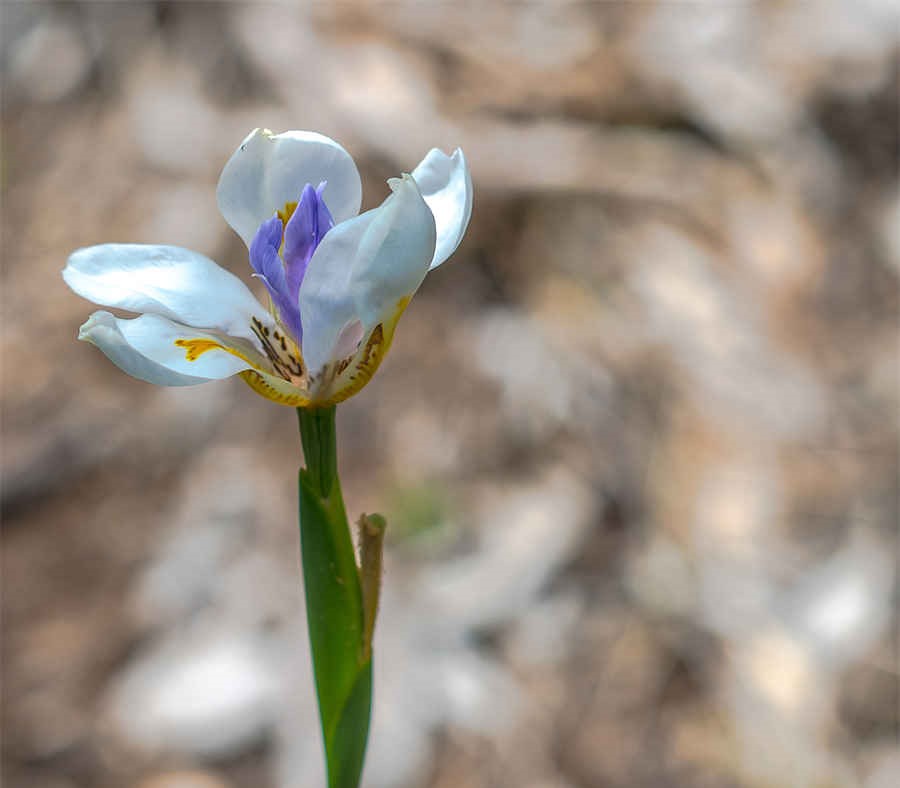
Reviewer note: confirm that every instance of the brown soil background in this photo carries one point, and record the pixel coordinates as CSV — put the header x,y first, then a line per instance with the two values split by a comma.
x,y
636,442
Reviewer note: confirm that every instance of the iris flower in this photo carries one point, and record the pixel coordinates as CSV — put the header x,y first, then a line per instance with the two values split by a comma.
x,y
337,282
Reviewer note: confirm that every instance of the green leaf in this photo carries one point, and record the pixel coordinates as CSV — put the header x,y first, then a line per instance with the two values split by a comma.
x,y
348,747
333,604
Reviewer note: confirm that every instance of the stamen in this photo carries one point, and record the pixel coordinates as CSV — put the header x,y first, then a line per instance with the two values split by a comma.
x,y
287,212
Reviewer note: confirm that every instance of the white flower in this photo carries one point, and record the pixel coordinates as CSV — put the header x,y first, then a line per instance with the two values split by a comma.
x,y
338,282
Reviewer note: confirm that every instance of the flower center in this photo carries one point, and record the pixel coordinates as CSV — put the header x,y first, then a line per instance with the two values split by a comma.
x,y
282,249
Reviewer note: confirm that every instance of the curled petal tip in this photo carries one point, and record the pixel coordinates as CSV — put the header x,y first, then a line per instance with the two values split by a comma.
x,y
84,331
404,179
446,185
98,321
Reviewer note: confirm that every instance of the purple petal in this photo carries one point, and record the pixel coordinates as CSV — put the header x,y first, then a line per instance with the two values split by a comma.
x,y
267,264
305,229
304,232
264,257
324,219
300,233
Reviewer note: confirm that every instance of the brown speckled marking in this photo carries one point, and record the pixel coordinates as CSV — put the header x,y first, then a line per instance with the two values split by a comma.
x,y
285,359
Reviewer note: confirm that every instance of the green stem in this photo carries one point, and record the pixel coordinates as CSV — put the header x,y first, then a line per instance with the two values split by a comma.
x,y
319,439
334,605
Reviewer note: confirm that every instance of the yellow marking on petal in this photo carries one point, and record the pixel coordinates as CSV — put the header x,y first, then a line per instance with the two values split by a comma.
x,y
194,348
273,389
401,307
375,350
262,382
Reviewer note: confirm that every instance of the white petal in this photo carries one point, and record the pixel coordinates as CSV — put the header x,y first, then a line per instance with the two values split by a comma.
x,y
103,331
446,185
268,170
364,268
146,348
164,280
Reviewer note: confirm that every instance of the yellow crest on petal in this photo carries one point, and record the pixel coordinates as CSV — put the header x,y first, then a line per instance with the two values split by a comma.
x,y
194,348
275,389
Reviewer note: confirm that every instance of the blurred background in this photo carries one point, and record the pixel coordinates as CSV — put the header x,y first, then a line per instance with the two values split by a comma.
x,y
637,443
